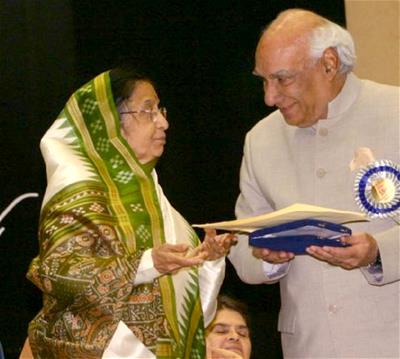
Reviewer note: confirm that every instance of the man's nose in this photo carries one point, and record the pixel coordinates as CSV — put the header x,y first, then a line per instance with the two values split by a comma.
x,y
272,94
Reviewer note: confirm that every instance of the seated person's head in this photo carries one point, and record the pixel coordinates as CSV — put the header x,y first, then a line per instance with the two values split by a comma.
x,y
228,335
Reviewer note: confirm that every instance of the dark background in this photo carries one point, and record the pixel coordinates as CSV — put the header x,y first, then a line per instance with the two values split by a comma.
x,y
201,54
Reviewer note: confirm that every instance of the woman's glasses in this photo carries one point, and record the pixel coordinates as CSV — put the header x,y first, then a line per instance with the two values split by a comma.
x,y
150,115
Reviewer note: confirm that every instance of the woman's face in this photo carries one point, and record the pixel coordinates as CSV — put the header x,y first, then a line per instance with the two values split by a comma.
x,y
144,129
229,333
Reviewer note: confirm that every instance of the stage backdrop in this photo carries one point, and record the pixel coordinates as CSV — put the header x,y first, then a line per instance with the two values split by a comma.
x,y
202,55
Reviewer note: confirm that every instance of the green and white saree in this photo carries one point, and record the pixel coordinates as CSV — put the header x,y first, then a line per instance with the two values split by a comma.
x,y
102,213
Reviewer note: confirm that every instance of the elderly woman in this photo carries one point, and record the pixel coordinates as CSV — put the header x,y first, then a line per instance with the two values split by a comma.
x,y
122,273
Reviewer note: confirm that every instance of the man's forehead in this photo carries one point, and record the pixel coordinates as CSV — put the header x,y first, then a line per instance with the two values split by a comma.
x,y
278,58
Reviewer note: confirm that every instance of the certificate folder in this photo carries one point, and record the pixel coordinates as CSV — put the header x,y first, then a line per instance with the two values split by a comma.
x,y
293,228
296,236
292,213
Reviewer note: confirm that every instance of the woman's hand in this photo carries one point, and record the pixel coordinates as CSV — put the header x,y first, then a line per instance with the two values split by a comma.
x,y
215,246
169,258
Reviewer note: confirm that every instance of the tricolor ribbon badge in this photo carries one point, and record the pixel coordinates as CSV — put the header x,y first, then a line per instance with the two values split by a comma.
x,y
376,185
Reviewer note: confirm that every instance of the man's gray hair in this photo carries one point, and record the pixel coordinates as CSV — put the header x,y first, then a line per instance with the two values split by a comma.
x,y
331,35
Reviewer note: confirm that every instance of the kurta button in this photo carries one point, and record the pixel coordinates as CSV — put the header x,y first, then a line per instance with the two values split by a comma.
x,y
323,131
333,308
321,172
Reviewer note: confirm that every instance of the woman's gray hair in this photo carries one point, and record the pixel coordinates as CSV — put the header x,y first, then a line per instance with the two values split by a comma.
x,y
331,35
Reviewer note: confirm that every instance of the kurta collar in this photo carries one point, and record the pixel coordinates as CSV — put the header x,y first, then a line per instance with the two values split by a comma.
x,y
346,97
342,102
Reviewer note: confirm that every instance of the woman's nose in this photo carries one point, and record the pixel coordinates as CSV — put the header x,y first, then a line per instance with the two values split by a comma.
x,y
161,121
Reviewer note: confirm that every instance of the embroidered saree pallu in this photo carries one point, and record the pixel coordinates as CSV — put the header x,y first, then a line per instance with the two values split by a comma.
x,y
102,209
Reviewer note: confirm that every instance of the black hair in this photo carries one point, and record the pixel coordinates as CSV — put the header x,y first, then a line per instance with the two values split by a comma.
x,y
123,81
226,302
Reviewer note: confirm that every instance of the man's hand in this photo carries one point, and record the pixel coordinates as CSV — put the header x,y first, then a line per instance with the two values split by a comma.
x,y
169,258
274,257
363,250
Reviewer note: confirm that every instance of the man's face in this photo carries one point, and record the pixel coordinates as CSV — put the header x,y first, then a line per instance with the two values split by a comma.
x,y
228,333
293,82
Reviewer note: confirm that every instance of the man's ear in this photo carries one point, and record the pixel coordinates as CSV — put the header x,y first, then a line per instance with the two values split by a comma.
x,y
331,62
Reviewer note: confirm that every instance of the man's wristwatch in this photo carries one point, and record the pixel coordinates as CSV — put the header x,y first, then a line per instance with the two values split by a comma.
x,y
376,263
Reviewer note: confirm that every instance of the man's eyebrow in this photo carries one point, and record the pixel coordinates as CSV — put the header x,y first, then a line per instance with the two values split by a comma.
x,y
281,73
274,75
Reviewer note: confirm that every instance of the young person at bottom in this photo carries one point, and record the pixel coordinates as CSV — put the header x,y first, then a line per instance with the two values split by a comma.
x,y
228,335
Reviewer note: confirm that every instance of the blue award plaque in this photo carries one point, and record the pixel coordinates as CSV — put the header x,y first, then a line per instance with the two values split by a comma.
x,y
377,189
296,236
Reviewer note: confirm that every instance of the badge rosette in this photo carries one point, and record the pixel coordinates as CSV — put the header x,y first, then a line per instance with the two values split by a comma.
x,y
377,189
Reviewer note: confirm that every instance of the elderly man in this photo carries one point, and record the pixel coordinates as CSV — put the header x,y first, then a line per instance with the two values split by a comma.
x,y
336,302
